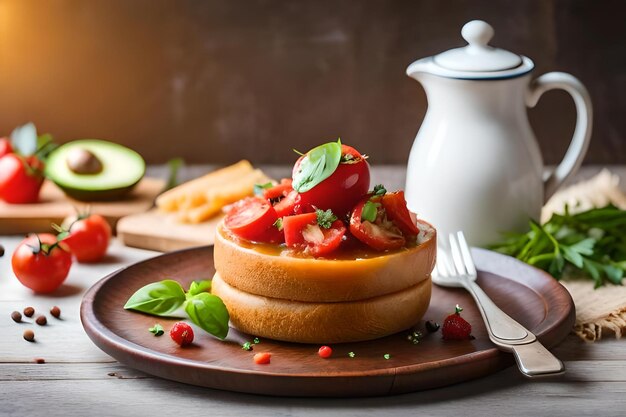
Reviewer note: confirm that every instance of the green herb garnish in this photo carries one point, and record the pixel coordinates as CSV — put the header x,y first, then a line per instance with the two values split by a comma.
x,y
326,218
591,243
351,354
386,356
168,299
317,165
256,341
370,211
379,190
247,346
258,188
279,223
157,330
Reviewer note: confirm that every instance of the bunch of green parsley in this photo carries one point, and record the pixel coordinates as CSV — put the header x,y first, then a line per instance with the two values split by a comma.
x,y
590,243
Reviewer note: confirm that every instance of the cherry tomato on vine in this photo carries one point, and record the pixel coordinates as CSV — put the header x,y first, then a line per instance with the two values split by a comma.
x,y
87,237
345,186
20,178
41,263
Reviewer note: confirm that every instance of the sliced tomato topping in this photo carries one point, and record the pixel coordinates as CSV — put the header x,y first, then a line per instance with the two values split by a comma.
x,y
395,207
302,231
381,234
332,238
279,190
253,219
286,206
294,225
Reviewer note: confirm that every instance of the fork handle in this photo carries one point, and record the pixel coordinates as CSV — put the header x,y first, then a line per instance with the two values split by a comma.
x,y
533,359
499,324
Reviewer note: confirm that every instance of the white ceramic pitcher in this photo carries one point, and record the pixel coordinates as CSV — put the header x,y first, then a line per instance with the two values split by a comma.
x,y
475,164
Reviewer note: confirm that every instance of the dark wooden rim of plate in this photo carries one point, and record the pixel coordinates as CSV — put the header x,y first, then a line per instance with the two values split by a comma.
x,y
555,325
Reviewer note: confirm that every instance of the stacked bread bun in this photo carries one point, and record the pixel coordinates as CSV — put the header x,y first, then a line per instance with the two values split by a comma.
x,y
310,300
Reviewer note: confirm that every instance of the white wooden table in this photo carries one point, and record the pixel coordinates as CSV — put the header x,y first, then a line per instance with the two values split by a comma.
x,y
77,379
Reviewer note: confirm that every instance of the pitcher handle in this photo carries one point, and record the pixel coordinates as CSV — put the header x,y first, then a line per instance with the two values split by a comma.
x,y
582,133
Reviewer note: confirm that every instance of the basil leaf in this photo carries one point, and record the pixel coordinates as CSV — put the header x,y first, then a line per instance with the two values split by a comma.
x,y
198,287
369,212
24,139
162,298
209,312
317,165
258,188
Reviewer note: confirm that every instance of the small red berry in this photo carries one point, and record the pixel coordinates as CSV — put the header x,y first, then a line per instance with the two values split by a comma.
x,y
182,333
456,327
262,358
325,352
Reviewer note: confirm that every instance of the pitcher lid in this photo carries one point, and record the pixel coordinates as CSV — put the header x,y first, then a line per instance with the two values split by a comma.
x,y
477,60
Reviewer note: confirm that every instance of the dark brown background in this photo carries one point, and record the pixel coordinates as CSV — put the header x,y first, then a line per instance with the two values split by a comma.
x,y
216,81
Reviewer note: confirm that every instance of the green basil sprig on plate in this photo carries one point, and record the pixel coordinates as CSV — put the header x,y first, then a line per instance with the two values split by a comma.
x,y
317,165
591,243
168,299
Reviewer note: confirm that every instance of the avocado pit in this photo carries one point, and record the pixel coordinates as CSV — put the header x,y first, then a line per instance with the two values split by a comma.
x,y
83,162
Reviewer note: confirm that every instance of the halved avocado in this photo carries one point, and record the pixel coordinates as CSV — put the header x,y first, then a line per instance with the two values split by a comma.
x,y
115,170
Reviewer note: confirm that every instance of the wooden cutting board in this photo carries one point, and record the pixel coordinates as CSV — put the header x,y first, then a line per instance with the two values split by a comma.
x,y
159,231
527,294
54,206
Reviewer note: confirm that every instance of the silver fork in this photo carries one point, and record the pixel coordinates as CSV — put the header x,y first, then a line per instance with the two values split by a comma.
x,y
455,268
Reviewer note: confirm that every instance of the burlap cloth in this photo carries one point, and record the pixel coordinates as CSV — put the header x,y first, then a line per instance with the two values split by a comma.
x,y
602,310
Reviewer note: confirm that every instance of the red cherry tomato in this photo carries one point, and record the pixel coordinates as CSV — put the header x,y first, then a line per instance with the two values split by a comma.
x,y
395,207
5,147
325,352
88,238
302,231
381,235
42,268
262,358
279,190
182,333
253,219
343,189
20,179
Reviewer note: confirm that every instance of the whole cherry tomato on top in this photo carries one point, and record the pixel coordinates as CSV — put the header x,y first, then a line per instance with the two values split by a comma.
x,y
343,189
41,263
87,237
20,178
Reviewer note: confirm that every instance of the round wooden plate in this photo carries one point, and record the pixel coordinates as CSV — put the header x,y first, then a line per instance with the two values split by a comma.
x,y
527,294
